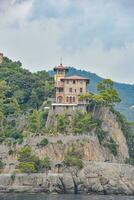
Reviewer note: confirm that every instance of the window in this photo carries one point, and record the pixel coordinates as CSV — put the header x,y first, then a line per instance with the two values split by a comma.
x,y
61,90
75,90
81,82
67,99
74,81
73,99
70,90
67,81
81,89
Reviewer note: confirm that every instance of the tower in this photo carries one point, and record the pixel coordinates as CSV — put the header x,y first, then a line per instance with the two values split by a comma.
x,y
1,58
60,73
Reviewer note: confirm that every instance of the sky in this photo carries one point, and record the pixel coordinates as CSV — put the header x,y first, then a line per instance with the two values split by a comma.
x,y
94,35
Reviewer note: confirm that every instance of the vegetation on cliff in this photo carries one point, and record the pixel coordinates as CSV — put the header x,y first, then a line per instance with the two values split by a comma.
x,y
23,96
126,91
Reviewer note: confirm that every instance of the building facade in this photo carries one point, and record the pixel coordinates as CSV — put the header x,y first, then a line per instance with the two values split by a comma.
x,y
69,88
1,58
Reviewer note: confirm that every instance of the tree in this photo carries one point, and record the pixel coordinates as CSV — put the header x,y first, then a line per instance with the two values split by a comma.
x,y
107,96
34,122
107,92
105,84
62,121
24,154
82,122
26,167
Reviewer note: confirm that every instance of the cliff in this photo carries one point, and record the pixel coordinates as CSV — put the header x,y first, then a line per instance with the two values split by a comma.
x,y
86,145
98,177
103,169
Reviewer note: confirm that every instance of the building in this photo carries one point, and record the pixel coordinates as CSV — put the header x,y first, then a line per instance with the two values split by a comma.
x,y
1,58
69,89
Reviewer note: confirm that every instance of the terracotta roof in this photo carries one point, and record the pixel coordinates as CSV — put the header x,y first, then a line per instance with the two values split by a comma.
x,y
60,67
75,78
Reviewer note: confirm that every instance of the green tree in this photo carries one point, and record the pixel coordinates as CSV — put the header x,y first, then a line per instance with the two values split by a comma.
x,y
34,122
24,154
62,121
70,161
82,122
108,93
26,167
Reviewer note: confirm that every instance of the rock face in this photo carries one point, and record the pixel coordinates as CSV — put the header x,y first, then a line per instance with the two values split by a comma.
x,y
102,172
111,126
104,178
86,144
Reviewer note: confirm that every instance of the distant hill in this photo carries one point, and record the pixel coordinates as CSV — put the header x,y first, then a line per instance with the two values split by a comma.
x,y
126,91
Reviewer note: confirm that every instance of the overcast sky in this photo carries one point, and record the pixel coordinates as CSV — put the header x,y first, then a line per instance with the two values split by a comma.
x,y
95,35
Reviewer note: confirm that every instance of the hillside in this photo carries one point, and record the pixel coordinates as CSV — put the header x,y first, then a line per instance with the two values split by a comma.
x,y
52,146
126,92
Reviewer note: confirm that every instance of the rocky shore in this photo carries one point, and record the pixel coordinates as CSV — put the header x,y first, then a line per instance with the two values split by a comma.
x,y
96,177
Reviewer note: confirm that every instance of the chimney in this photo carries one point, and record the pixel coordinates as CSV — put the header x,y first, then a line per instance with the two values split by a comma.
x,y
1,58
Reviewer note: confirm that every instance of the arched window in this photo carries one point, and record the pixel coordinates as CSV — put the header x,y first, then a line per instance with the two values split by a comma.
x,y
73,99
70,99
59,99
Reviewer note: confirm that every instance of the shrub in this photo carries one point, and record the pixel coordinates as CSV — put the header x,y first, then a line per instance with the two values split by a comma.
x,y
82,122
59,142
1,165
62,121
100,134
129,161
24,154
113,147
30,163
74,151
44,142
26,167
10,152
13,175
73,162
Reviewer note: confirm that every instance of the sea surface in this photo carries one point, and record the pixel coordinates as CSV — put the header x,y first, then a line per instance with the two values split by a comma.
x,y
61,197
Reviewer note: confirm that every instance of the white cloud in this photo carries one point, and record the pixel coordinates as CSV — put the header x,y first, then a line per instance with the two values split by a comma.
x,y
13,12
96,35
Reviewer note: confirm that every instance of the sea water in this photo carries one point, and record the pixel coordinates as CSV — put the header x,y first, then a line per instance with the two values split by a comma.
x,y
12,196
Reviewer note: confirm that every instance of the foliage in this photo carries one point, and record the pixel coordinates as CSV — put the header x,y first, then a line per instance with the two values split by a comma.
x,y
24,154
73,162
82,122
59,142
62,121
100,134
1,165
130,161
113,147
73,158
30,163
11,152
107,96
13,175
125,91
37,121
74,151
21,95
34,122
128,130
26,167
44,142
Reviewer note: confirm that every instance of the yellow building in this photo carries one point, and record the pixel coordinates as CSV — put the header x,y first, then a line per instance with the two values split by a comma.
x,y
69,88
1,58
